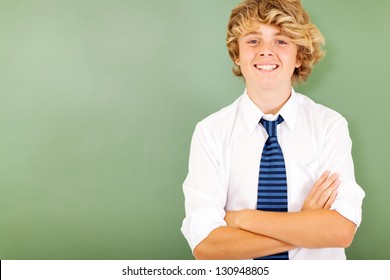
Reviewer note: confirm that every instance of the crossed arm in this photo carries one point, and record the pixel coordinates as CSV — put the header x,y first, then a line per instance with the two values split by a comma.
x,y
255,233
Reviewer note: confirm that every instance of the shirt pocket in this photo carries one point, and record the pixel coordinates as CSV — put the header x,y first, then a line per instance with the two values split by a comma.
x,y
301,177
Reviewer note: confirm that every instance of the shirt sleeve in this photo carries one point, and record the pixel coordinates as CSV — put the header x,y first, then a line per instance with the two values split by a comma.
x,y
337,158
205,188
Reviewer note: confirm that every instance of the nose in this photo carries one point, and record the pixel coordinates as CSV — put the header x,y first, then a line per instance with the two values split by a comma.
x,y
266,49
266,52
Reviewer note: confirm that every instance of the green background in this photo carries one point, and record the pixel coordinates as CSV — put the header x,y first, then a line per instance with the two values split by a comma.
x,y
99,99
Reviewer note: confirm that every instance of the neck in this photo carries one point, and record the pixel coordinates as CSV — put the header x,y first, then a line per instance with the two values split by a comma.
x,y
269,101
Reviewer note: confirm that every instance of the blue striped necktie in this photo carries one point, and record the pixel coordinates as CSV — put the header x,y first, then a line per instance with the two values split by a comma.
x,y
272,186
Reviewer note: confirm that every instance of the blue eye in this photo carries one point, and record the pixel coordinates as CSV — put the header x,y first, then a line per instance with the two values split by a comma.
x,y
253,41
281,42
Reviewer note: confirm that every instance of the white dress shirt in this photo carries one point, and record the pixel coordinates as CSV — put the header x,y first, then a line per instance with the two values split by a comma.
x,y
225,160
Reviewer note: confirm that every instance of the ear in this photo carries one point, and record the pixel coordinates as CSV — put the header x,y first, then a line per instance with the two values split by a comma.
x,y
298,64
237,62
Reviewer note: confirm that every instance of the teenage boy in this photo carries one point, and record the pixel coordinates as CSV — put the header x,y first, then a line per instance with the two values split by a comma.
x,y
231,179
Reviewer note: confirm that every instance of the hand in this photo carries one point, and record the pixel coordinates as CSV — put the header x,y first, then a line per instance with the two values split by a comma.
x,y
323,193
232,217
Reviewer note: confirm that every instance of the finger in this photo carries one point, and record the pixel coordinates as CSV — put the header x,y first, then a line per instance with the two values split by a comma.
x,y
324,186
318,183
313,196
227,218
327,193
331,199
328,183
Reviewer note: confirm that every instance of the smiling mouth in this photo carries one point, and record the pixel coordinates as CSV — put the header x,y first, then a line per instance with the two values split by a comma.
x,y
266,67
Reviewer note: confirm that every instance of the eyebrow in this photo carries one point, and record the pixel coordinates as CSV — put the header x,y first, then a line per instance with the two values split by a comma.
x,y
259,33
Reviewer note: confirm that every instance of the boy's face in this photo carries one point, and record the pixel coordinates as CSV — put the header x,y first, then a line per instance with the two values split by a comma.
x,y
267,58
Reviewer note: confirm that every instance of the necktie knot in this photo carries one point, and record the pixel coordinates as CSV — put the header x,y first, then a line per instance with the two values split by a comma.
x,y
270,126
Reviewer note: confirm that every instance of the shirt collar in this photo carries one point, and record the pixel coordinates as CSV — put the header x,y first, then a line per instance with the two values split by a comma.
x,y
253,114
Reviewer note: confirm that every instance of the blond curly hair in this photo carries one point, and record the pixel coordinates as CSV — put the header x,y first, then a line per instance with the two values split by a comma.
x,y
293,22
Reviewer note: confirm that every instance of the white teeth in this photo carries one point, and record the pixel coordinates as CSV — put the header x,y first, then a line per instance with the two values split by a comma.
x,y
267,67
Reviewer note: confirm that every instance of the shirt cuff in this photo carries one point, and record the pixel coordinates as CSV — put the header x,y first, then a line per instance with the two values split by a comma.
x,y
198,226
349,202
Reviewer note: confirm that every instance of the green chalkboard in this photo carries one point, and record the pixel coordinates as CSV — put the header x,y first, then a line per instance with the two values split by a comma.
x,y
99,99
